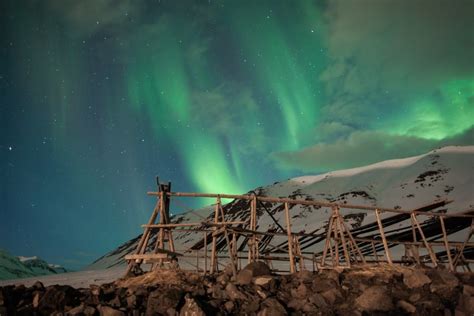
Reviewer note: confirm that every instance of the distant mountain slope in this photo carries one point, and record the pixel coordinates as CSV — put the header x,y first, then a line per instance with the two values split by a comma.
x,y
446,173
12,267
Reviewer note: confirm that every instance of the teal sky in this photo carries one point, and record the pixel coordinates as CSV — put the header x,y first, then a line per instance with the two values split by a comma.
x,y
98,97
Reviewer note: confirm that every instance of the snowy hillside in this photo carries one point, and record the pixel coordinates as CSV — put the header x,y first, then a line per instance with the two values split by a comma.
x,y
12,267
41,267
446,173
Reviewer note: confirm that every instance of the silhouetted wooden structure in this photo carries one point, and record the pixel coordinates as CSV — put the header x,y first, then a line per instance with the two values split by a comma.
x,y
234,241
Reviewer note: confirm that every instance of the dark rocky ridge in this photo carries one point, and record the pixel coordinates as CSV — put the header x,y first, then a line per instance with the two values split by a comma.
x,y
370,291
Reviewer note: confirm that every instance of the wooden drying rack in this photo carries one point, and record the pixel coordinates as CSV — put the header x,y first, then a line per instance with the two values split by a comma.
x,y
342,245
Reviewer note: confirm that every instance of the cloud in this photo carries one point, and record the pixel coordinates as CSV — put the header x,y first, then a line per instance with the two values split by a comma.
x,y
362,148
89,16
224,111
384,54
416,43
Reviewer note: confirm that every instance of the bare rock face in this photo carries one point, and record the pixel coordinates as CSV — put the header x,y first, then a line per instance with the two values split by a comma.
x,y
253,269
191,307
263,281
272,307
164,302
446,285
233,292
109,311
57,297
374,298
415,279
332,295
82,310
324,284
406,307
356,291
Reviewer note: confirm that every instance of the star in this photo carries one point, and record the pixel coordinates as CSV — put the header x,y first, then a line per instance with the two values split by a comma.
x,y
10,148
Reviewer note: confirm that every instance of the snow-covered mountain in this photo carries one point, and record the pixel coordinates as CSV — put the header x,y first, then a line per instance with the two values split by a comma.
x,y
12,267
445,173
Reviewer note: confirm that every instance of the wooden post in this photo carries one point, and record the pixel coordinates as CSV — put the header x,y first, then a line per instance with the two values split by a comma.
x,y
327,244
384,240
427,245
290,241
229,248
197,260
375,252
142,244
234,250
461,249
214,238
298,253
352,241
446,244
332,251
253,247
205,252
414,248
336,241
343,239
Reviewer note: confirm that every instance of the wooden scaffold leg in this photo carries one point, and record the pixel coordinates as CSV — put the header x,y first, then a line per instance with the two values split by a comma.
x,y
290,239
214,266
384,240
425,241
460,252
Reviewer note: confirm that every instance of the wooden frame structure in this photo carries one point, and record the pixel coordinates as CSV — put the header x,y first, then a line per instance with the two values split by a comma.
x,y
232,241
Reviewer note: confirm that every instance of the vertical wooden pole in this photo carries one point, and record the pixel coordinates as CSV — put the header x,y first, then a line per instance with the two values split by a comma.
x,y
446,244
298,253
427,245
161,233
249,238
461,248
343,239
332,252
253,249
413,231
384,240
229,248
314,262
353,243
146,235
375,252
327,244
336,241
234,250
414,248
197,260
205,252
290,239
214,238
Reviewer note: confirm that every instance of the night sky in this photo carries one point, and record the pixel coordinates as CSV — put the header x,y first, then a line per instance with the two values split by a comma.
x,y
98,97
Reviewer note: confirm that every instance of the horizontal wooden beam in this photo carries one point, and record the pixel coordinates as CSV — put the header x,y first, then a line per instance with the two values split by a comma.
x,y
417,211
197,224
148,256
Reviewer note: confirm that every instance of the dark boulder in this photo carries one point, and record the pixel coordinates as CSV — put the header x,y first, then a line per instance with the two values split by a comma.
x,y
253,269
164,301
57,298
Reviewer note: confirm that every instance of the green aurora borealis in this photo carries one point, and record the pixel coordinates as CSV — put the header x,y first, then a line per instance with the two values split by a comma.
x,y
98,97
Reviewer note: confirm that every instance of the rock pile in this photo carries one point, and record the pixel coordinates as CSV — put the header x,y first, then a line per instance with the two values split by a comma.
x,y
254,291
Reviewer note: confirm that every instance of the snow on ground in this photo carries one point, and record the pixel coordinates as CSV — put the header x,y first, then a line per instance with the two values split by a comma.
x,y
80,279
24,259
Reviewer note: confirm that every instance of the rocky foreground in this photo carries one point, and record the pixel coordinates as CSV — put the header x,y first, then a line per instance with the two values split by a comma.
x,y
369,291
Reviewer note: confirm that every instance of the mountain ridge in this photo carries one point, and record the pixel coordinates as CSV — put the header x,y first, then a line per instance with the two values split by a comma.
x,y
12,267
407,183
